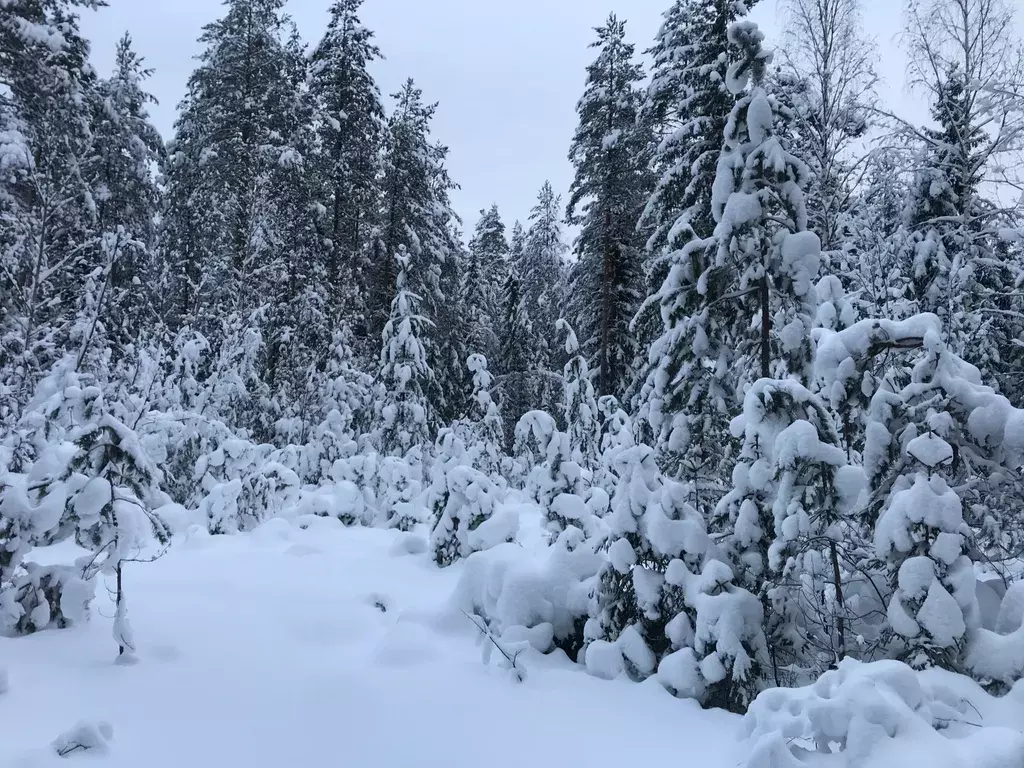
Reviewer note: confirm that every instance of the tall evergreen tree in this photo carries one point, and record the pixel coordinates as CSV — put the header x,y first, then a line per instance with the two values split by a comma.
x,y
753,307
482,281
350,123
543,259
47,228
610,153
687,105
230,137
129,152
520,359
542,273
418,217
416,209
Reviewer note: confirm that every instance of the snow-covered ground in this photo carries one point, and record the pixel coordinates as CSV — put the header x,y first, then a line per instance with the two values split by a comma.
x,y
323,647
330,646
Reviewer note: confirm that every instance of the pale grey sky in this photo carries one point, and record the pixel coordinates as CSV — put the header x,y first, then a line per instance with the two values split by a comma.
x,y
507,73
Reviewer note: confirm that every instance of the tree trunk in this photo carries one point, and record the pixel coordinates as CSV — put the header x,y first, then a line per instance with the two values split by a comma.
x,y
766,330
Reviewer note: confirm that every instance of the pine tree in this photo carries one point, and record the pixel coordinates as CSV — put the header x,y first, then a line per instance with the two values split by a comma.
x,y
960,270
542,266
416,211
487,432
48,237
610,153
417,216
687,106
519,382
482,280
129,150
231,136
350,133
753,308
581,417
406,412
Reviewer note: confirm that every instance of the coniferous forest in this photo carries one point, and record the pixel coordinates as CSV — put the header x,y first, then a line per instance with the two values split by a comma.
x,y
760,368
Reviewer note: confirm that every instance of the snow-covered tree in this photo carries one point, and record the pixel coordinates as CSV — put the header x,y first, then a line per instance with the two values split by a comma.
x,y
541,270
128,150
922,536
111,484
830,61
482,280
350,127
748,314
610,152
687,105
520,363
47,226
486,427
406,412
581,416
233,135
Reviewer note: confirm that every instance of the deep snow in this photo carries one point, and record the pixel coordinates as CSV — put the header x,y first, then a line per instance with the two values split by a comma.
x,y
271,649
305,643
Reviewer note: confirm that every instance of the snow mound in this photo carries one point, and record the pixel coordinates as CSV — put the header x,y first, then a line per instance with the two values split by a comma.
x,y
883,714
84,737
512,590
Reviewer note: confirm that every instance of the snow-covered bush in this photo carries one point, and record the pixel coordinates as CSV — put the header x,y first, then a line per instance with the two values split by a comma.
x,y
463,506
665,602
399,489
615,436
870,714
922,535
533,433
85,737
519,596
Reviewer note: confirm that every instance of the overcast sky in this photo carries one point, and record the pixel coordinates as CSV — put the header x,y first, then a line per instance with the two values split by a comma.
x,y
507,73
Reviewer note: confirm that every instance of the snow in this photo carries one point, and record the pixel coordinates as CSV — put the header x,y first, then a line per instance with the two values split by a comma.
x,y
252,655
885,714
930,449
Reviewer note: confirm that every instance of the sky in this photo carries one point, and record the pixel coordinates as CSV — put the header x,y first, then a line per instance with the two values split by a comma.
x,y
507,73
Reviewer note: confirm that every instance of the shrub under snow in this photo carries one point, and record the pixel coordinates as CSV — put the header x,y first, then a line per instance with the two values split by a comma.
x,y
882,713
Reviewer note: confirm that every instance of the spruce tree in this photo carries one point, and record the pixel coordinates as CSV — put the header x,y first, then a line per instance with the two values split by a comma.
x,y
687,105
418,217
129,150
755,298
482,281
543,261
233,133
610,152
407,414
519,382
48,239
350,134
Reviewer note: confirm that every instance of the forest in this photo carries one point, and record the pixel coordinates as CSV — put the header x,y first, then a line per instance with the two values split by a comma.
x,y
760,368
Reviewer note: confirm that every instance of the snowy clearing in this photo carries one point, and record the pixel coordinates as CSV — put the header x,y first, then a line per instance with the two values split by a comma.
x,y
271,649
308,643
